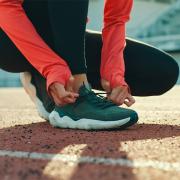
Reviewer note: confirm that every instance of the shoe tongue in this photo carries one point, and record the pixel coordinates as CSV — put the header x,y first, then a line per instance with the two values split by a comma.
x,y
84,89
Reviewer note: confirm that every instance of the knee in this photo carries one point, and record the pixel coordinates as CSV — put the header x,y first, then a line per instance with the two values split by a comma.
x,y
170,74
172,70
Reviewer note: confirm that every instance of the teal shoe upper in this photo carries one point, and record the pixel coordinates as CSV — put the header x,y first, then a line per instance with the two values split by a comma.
x,y
90,105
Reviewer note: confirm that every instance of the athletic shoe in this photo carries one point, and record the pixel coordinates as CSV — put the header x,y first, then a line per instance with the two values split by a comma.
x,y
92,112
35,86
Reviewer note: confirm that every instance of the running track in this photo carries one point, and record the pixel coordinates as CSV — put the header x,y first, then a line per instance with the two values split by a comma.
x,y
31,149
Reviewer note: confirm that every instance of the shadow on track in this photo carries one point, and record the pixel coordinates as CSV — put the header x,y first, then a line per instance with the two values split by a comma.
x,y
41,137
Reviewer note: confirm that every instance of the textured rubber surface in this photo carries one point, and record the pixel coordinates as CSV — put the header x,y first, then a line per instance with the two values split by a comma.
x,y
155,138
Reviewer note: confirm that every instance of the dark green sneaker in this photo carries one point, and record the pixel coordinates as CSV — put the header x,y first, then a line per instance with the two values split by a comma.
x,y
92,111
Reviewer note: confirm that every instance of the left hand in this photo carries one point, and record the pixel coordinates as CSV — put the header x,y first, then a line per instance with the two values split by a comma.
x,y
63,95
118,95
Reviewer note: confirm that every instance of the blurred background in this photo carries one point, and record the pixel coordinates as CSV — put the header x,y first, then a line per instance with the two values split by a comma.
x,y
156,22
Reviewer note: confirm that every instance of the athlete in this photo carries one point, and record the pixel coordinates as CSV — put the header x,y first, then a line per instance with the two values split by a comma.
x,y
48,41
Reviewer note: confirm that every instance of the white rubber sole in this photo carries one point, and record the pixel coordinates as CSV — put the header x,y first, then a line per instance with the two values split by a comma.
x,y
30,89
87,124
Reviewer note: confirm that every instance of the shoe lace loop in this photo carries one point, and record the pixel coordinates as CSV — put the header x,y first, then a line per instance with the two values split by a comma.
x,y
99,100
102,101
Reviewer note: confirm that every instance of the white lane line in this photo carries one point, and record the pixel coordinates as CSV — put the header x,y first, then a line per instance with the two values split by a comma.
x,y
94,160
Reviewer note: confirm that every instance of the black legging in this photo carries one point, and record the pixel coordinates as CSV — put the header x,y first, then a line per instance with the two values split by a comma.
x,y
61,24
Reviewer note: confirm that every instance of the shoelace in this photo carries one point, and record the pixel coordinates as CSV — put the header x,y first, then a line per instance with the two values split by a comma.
x,y
98,100
105,102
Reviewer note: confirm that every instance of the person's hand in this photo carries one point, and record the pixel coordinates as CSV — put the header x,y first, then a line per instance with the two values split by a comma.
x,y
63,95
119,95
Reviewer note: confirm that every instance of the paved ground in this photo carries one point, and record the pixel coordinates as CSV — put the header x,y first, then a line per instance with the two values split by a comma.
x,y
31,149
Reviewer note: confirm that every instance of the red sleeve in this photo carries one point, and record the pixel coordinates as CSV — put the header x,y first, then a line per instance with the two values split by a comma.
x,y
18,27
116,14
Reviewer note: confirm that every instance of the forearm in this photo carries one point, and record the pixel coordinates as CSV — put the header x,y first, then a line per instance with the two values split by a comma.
x,y
115,17
17,26
112,63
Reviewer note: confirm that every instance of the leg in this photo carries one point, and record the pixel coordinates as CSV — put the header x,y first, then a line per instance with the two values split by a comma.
x,y
56,17
37,11
93,58
149,71
68,22
11,59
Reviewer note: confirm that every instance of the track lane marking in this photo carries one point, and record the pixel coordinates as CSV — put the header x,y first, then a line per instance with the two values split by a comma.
x,y
166,166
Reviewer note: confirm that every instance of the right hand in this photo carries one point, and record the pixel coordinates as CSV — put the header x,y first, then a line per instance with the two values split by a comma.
x,y
119,95
63,95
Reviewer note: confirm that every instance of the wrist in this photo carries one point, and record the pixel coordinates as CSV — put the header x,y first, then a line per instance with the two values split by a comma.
x,y
115,79
61,77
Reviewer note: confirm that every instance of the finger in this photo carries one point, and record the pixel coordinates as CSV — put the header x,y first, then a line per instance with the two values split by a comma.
x,y
58,95
127,103
68,96
71,95
114,94
58,89
62,102
121,98
66,101
130,101
57,101
123,94
69,100
61,92
69,86
76,95
106,86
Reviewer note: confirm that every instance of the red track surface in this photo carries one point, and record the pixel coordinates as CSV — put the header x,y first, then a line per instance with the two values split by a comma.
x,y
156,137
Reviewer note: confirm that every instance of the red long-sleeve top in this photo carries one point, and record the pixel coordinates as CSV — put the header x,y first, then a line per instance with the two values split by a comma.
x,y
20,30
